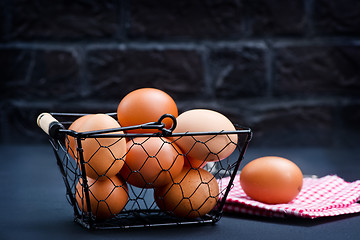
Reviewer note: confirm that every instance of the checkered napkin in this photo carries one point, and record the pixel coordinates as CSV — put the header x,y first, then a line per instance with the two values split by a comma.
x,y
319,197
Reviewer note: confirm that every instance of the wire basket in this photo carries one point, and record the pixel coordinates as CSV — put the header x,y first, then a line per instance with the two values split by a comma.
x,y
142,208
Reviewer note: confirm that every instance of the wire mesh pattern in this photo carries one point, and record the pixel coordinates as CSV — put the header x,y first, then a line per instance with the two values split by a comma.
x,y
135,196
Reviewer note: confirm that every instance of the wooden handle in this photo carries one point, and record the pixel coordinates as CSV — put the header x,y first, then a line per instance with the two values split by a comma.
x,y
47,123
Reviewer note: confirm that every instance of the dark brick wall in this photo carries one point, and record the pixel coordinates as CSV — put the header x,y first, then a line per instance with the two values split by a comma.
x,y
290,70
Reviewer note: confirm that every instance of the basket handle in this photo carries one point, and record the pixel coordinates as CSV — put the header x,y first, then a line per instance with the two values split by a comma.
x,y
49,124
164,130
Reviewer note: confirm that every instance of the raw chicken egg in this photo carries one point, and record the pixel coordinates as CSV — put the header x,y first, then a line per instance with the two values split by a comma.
x,y
71,141
151,162
194,163
205,147
102,156
146,105
192,194
271,180
108,196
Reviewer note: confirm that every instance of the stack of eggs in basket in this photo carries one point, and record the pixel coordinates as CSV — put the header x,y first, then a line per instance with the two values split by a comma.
x,y
170,165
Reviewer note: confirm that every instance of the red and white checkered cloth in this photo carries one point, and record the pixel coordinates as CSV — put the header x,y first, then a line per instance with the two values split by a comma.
x,y
319,197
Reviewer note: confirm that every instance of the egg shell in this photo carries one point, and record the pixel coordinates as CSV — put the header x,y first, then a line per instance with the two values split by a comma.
x,y
71,141
271,180
193,194
108,196
151,162
146,105
194,163
205,147
102,156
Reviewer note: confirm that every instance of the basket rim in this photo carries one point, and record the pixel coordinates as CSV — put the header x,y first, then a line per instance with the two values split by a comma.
x,y
111,132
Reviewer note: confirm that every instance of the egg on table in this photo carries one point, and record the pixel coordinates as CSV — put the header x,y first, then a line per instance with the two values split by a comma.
x,y
271,180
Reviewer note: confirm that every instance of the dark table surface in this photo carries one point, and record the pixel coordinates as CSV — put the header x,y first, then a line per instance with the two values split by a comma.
x,y
33,203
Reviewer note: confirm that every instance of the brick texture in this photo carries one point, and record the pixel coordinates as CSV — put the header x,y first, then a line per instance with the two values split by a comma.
x,y
64,19
186,19
337,17
114,73
281,18
289,70
296,124
38,74
238,72
318,70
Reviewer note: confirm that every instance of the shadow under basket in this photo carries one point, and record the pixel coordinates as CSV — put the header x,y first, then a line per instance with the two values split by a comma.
x,y
141,208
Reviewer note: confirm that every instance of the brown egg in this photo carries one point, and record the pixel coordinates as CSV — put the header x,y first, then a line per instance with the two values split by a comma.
x,y
151,162
271,180
108,196
102,156
146,105
194,163
205,147
71,142
193,194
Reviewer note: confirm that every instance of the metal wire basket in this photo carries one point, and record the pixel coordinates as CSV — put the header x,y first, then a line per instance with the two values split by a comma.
x,y
141,208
